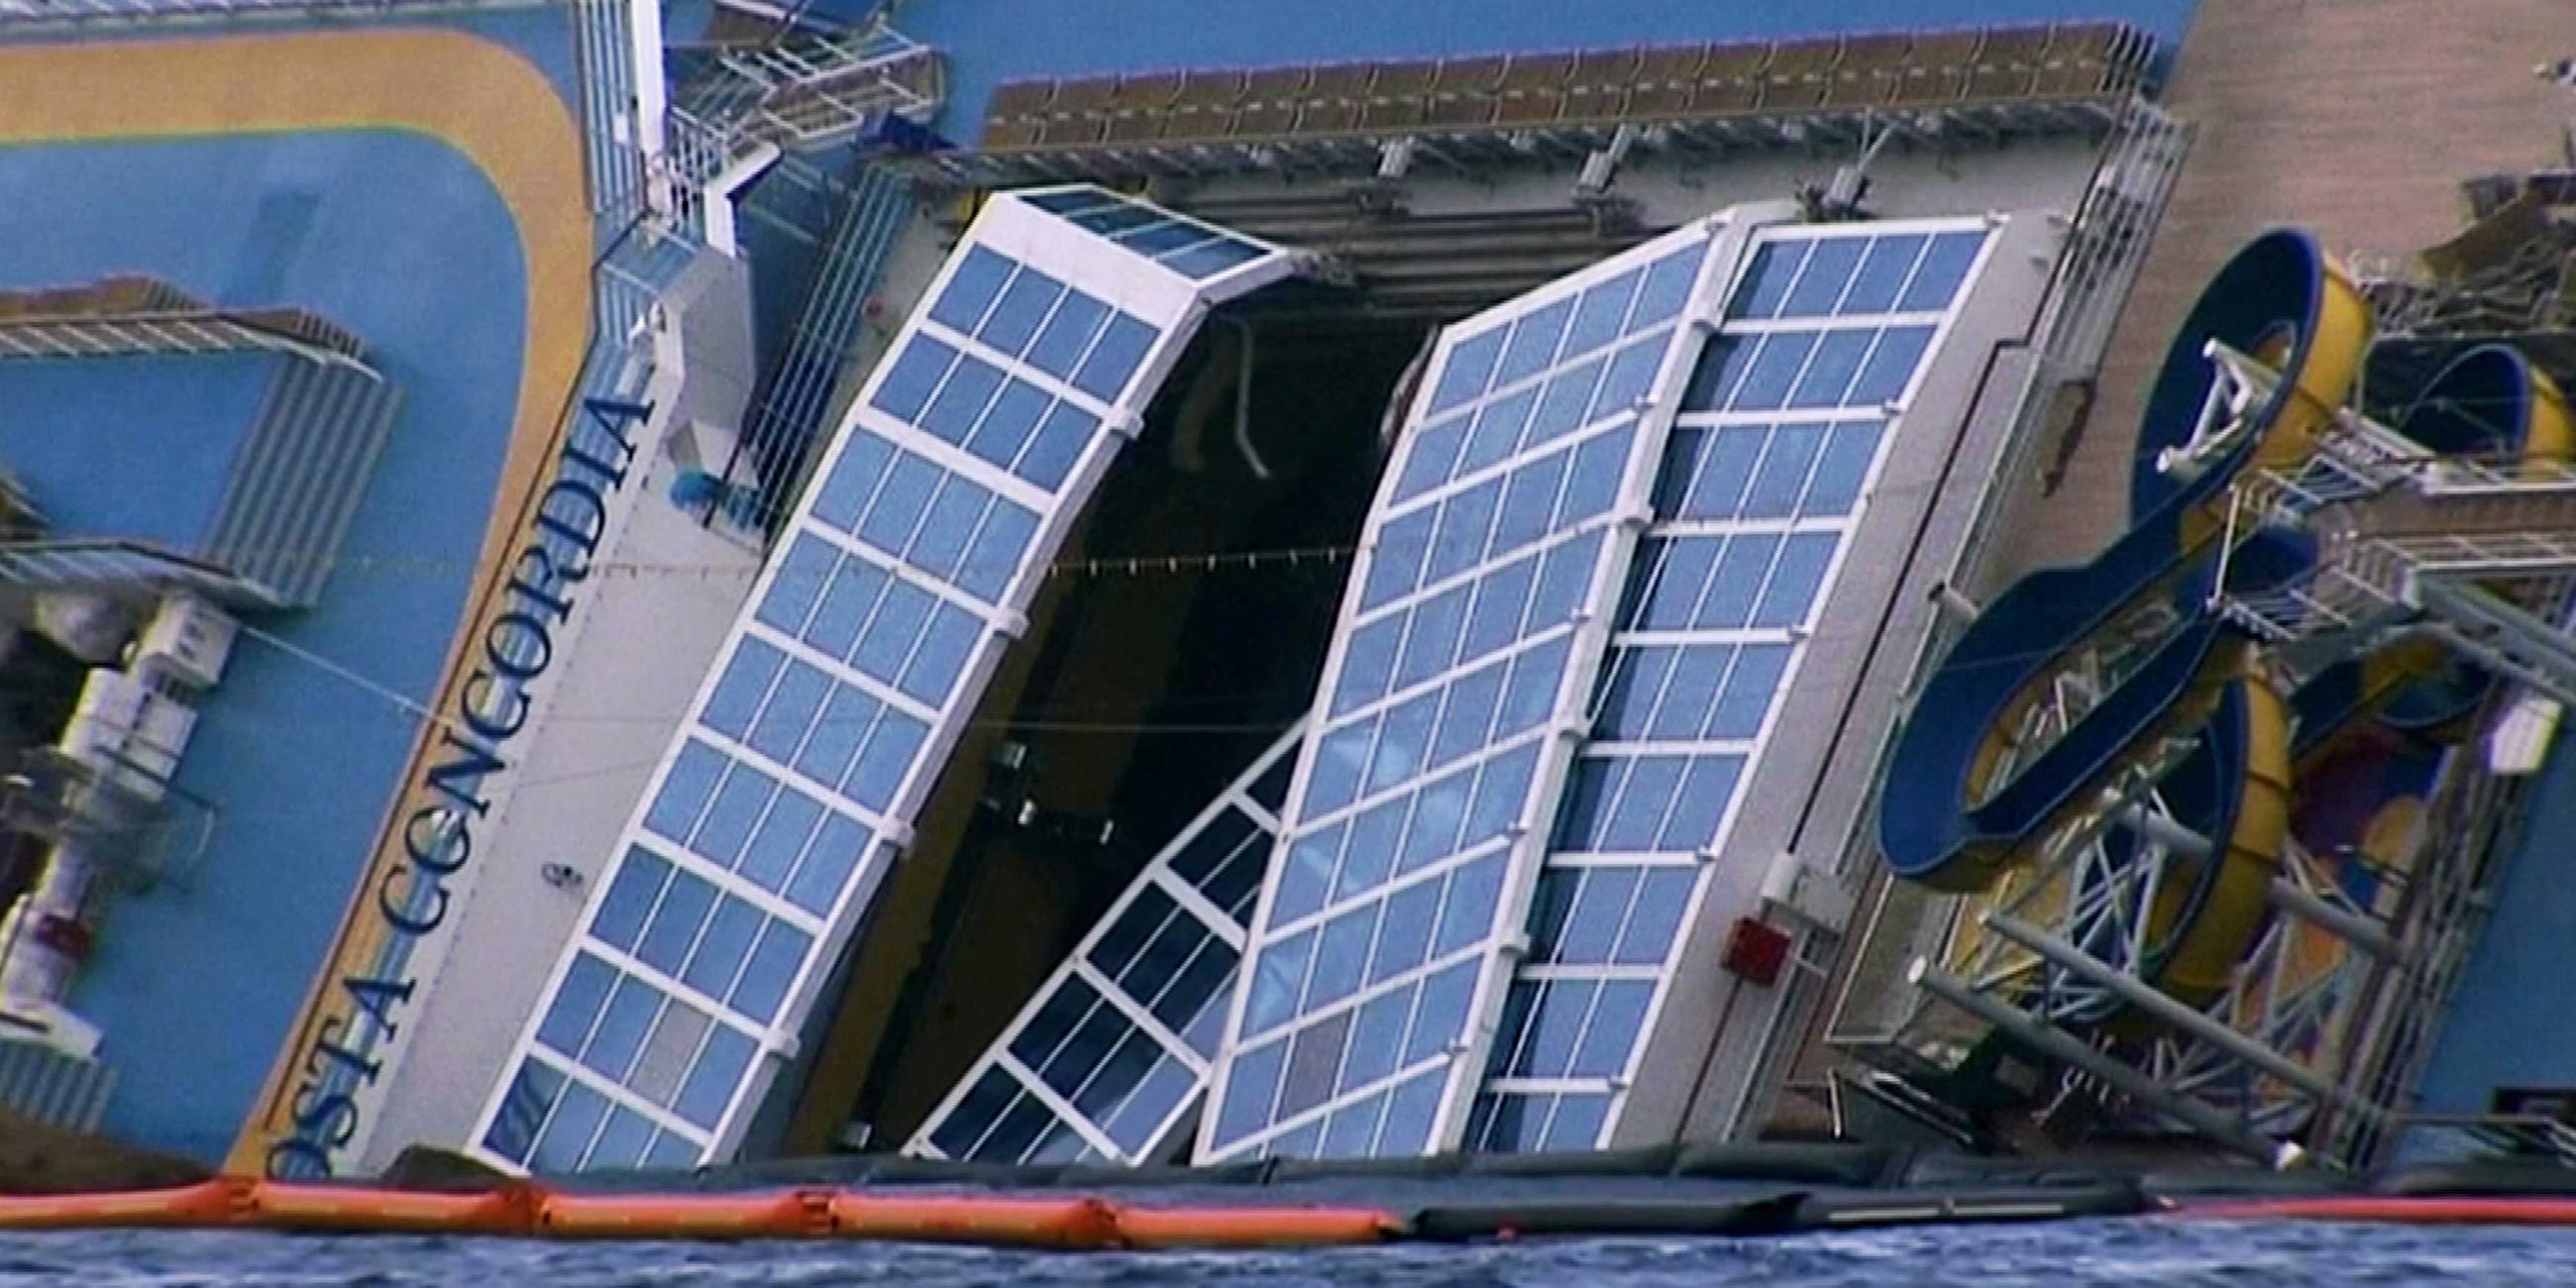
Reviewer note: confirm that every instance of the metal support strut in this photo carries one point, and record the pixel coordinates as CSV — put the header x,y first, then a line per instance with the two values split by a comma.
x,y
2058,1045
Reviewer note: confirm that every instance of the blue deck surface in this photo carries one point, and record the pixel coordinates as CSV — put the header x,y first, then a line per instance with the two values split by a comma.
x,y
163,427
400,239
2509,1026
990,41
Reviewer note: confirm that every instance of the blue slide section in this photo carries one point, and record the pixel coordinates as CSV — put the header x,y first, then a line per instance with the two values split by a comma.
x,y
1939,824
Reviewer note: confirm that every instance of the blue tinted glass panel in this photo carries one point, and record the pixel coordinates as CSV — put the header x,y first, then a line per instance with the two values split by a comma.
x,y
1749,687
1577,1123
1618,1016
684,790
896,511
1600,313
1404,940
837,731
1782,477
1655,920
883,762
1211,258
971,385
1600,466
1533,343
1529,501
1564,405
1395,566
1882,274
1726,471
1794,582
1766,282
1006,426
629,1013
532,1094
1467,907
1829,269
1502,604
781,838
1060,439
1430,456
1252,1083
852,596
567,1135
1688,695
999,546
745,682
828,864
1720,369
1666,288
1464,375
1114,356
1944,265
1707,787
1069,201
720,950
738,805
1432,643
1891,365
1678,576
712,1080
1021,310
1116,219
1737,584
1367,663
915,373
1458,539
797,583
1169,235
940,655
1067,335
887,645
622,1141
1631,376
970,290
853,480
790,711
631,894
1829,373
577,999
1439,1012
1774,371
770,970
676,922
1840,471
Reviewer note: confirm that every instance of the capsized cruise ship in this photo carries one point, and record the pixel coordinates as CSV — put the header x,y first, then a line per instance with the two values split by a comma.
x,y
608,584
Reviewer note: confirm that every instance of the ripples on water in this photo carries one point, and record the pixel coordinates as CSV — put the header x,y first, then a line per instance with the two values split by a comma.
x,y
2147,1252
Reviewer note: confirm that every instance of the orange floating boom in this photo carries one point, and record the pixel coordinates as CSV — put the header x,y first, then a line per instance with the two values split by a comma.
x,y
522,1209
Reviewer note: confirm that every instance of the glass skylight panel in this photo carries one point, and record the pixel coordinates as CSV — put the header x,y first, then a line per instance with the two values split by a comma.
x,y
900,577
1462,655
1782,426
1110,1058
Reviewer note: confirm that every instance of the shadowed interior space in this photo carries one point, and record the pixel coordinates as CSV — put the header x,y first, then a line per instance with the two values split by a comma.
x,y
1175,641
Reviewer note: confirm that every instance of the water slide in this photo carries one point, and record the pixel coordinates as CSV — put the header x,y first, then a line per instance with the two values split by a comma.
x,y
2488,404
2075,676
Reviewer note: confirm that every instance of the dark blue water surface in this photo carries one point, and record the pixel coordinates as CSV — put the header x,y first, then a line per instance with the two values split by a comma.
x,y
2143,1252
